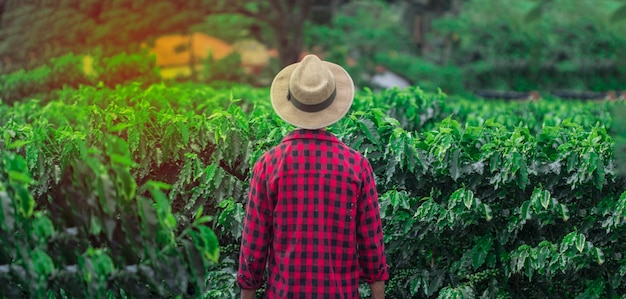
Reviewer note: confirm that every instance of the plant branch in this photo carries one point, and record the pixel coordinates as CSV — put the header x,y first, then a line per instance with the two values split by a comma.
x,y
240,176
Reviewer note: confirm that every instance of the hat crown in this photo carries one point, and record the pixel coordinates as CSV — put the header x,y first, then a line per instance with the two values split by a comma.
x,y
312,93
311,82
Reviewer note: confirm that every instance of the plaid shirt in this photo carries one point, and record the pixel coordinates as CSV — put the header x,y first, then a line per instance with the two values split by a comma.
x,y
313,216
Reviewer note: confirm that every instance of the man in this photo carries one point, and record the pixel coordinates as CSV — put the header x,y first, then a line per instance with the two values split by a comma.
x,y
312,212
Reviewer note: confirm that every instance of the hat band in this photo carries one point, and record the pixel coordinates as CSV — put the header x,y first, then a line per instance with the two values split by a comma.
x,y
315,107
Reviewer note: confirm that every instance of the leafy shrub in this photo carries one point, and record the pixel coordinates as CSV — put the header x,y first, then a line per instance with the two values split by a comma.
x,y
123,67
61,71
69,71
426,75
478,198
227,69
619,131
99,235
22,84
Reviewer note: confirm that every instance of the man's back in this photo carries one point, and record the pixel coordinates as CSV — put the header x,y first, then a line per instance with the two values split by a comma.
x,y
313,212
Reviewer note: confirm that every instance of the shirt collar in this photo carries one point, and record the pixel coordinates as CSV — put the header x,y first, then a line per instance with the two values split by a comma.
x,y
311,134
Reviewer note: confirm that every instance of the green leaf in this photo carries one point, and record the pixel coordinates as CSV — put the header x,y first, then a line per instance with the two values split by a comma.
x,y
203,219
42,263
599,255
522,255
488,213
198,213
466,292
163,208
184,132
541,196
455,165
478,258
42,227
95,226
101,262
526,210
522,177
494,162
17,144
133,139
27,202
122,160
206,241
568,241
468,198
593,162
600,175
127,182
435,281
580,241
106,192
400,199
564,212
516,161
158,185
416,285
368,127
119,127
543,253
480,251
19,177
209,172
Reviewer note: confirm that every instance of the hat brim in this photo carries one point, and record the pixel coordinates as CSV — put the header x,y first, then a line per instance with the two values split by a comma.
x,y
312,120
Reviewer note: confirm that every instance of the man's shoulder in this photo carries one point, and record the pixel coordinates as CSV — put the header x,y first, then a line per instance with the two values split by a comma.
x,y
274,154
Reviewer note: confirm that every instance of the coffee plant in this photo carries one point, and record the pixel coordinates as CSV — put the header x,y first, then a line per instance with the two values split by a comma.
x,y
126,191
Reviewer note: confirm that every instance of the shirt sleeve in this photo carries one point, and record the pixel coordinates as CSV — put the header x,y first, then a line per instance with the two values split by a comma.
x,y
370,240
257,231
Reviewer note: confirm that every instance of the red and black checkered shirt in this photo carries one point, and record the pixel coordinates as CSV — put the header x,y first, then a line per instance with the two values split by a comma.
x,y
313,216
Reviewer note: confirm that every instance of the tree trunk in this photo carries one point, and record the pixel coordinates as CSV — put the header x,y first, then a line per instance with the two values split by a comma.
x,y
289,47
290,33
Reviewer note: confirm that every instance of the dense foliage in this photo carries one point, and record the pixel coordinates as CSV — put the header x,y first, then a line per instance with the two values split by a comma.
x,y
87,190
540,45
503,206
470,45
465,45
125,191
360,31
72,71
619,130
35,31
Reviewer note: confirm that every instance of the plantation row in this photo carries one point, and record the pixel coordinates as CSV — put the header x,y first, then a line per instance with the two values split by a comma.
x,y
126,192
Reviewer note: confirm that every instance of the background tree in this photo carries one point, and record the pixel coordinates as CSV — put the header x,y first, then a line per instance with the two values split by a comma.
x,y
285,19
358,33
531,44
31,32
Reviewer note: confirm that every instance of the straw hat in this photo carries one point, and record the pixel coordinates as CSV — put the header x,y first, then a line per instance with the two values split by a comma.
x,y
312,93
